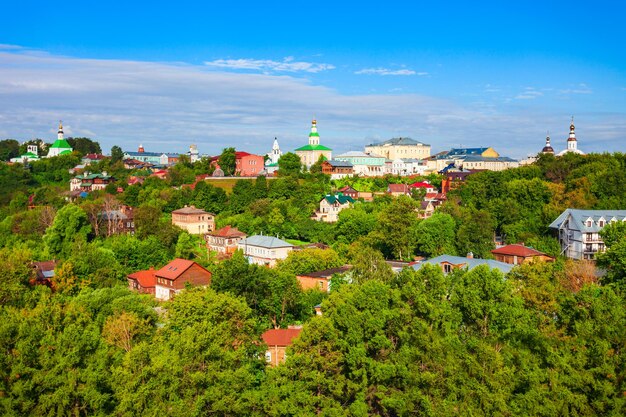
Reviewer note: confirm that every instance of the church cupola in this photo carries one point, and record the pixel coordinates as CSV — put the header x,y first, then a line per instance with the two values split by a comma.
x,y
548,148
140,150
572,143
60,132
314,137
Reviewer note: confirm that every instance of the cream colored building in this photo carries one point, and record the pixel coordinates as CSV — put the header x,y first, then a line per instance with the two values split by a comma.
x,y
195,221
396,148
331,206
310,154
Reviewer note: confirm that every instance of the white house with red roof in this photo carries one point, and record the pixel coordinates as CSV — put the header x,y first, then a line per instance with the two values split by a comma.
x,y
224,240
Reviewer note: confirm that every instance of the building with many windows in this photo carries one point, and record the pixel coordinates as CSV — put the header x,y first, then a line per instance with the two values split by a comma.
x,y
579,231
397,148
194,220
264,250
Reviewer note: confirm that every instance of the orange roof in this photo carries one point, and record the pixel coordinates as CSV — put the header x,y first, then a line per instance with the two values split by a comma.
x,y
280,337
517,250
174,269
146,279
228,231
398,188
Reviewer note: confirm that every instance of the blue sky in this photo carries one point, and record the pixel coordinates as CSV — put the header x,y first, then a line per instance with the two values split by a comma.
x,y
168,74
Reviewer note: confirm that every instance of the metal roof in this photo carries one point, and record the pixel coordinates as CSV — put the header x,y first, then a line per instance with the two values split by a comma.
x,y
469,263
265,242
579,219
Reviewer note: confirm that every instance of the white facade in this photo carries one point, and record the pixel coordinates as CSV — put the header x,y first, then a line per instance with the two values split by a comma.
x,y
264,250
405,166
579,231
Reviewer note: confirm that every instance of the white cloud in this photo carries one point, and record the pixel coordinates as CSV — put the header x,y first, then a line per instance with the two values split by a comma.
x,y
581,88
267,65
386,71
171,106
529,94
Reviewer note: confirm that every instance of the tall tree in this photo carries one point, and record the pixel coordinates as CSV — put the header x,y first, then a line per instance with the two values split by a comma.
x,y
289,164
116,154
227,161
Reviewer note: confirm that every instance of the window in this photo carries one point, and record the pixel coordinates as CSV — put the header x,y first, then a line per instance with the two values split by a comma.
x,y
589,223
447,268
268,357
601,223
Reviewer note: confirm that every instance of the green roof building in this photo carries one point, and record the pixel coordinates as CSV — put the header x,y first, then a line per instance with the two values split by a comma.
x,y
310,154
60,146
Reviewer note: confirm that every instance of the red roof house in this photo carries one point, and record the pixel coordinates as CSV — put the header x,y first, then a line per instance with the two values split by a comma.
x,y
142,281
277,341
517,254
173,277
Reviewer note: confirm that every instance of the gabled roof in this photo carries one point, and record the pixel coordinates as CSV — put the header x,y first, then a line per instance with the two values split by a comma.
x,y
398,188
189,210
146,279
280,337
340,198
465,151
578,219
347,189
399,142
313,148
327,273
517,250
421,184
336,163
265,242
358,154
176,268
479,158
228,231
469,263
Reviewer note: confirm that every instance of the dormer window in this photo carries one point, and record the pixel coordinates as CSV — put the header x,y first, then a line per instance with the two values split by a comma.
x,y
601,223
589,223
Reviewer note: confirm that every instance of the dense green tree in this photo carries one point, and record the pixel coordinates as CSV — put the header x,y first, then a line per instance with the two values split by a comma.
x,y
116,154
70,225
84,145
613,260
289,164
309,260
436,235
9,148
395,228
227,161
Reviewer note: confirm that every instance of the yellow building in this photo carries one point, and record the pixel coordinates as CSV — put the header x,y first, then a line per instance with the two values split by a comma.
x,y
310,154
396,148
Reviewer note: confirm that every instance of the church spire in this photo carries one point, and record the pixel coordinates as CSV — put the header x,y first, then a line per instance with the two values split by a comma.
x,y
548,148
314,137
572,143
60,132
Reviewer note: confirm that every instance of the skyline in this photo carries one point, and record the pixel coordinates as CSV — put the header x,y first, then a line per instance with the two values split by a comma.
x,y
451,76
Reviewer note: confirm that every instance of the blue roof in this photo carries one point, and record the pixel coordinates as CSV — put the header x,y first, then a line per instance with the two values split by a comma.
x,y
265,242
469,263
133,153
578,219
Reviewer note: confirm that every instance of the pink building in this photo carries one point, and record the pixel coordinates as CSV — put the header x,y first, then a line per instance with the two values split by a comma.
x,y
248,165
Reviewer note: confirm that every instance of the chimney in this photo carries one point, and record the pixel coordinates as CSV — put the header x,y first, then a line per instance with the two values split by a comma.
x,y
470,255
